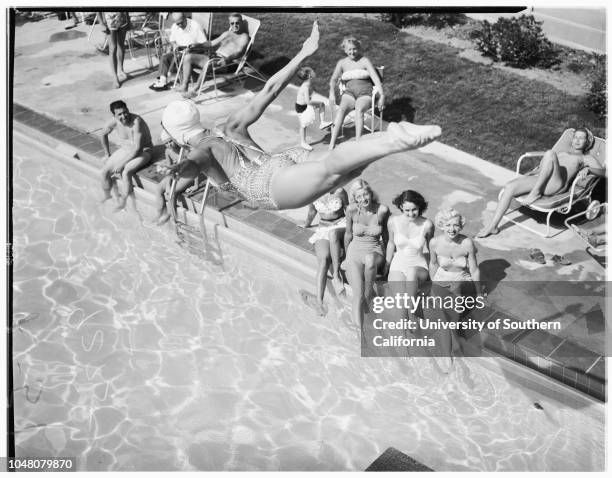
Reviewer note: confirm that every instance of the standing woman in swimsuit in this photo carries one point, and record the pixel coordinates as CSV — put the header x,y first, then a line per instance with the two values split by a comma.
x,y
358,74
327,242
364,240
287,180
409,234
116,25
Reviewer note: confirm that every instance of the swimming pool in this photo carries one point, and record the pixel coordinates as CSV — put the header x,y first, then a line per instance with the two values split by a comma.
x,y
130,354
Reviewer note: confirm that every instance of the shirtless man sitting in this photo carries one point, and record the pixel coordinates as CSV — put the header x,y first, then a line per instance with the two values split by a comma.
x,y
226,47
556,173
134,153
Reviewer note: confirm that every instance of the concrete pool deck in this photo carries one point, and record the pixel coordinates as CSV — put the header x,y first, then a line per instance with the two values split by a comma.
x,y
62,88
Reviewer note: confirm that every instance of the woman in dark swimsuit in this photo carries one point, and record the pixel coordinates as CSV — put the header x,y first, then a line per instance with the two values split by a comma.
x,y
365,240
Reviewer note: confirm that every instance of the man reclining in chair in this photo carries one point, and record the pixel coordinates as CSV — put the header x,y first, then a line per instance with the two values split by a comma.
x,y
555,175
184,33
226,47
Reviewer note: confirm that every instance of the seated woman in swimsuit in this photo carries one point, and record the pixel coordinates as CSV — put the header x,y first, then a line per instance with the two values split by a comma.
x,y
555,174
327,242
358,74
234,161
454,270
364,240
406,265
452,261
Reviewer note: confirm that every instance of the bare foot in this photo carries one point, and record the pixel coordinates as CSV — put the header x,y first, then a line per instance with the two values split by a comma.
x,y
180,89
487,232
311,301
190,94
312,42
116,83
306,146
107,196
121,203
123,76
338,285
411,136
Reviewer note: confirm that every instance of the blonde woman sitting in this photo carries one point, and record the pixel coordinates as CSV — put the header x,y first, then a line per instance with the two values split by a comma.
x,y
452,261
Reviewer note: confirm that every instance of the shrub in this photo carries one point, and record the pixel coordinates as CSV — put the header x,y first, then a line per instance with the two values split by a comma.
x,y
435,20
597,97
518,42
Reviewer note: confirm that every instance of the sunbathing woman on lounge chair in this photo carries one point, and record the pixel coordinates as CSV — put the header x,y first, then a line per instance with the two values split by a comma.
x,y
235,162
555,174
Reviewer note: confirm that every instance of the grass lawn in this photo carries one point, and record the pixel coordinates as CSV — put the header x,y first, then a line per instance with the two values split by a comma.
x,y
482,110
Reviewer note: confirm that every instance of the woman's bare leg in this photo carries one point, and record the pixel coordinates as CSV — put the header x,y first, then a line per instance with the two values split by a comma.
x,y
335,250
373,262
549,179
112,56
238,122
347,103
121,52
298,185
356,280
323,260
363,104
516,187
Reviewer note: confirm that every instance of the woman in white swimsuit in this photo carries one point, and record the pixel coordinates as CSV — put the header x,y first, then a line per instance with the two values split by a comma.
x,y
453,263
454,270
409,233
327,241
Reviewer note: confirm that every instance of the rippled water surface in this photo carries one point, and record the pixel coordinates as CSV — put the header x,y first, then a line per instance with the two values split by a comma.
x,y
130,354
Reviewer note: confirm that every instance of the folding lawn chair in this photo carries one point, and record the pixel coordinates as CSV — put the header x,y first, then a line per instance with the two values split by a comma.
x,y
143,32
580,191
240,66
204,19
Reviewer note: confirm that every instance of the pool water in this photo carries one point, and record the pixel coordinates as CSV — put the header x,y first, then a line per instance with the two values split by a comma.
x,y
131,354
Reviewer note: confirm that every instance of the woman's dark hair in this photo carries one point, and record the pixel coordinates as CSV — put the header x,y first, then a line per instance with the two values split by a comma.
x,y
411,196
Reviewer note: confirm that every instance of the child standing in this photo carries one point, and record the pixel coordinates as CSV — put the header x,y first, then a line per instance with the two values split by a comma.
x,y
304,107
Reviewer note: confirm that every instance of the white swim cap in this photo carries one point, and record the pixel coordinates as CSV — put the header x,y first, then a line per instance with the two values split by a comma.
x,y
181,119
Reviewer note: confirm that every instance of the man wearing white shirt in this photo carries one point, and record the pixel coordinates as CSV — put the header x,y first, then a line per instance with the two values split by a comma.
x,y
185,33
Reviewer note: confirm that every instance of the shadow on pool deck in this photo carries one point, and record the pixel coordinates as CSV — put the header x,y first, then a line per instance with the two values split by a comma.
x,y
68,83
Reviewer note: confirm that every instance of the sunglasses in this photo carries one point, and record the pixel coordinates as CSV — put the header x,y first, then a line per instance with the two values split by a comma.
x,y
235,23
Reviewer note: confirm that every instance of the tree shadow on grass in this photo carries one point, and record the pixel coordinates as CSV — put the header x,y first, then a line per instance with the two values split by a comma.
x,y
400,109
273,65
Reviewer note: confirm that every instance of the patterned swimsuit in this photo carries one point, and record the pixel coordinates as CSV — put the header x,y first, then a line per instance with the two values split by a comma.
x,y
252,179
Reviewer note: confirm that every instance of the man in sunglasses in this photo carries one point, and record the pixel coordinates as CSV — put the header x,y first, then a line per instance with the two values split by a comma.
x,y
184,33
226,47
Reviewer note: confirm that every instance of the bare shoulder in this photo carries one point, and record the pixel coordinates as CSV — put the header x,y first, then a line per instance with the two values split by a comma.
x,y
383,210
428,226
350,210
468,243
